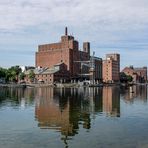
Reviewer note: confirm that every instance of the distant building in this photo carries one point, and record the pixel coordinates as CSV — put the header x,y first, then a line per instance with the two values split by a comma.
x,y
131,72
98,69
142,74
139,75
111,68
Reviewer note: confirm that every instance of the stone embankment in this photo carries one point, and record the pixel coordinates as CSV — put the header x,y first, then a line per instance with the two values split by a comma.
x,y
25,85
60,85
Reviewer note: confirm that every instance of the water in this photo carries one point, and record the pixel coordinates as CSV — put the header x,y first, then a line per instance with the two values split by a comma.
x,y
107,117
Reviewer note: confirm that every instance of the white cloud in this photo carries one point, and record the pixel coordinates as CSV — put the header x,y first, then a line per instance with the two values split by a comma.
x,y
117,14
109,25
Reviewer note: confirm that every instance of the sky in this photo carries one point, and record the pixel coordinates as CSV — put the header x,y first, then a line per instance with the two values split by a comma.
x,y
111,26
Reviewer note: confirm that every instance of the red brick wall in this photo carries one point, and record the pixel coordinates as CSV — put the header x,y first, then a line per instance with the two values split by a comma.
x,y
110,70
50,58
47,78
66,51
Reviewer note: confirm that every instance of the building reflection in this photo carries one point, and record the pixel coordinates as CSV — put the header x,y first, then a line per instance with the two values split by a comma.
x,y
136,92
51,112
17,96
111,101
66,110
61,110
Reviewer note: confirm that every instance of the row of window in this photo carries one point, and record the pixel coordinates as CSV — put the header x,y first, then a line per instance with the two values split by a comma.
x,y
44,75
47,80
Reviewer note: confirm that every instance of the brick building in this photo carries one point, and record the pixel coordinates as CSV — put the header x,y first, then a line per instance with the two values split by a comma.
x,y
111,68
142,74
139,75
66,51
57,73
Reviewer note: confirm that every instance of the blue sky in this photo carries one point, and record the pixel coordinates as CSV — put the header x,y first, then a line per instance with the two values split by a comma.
x,y
110,25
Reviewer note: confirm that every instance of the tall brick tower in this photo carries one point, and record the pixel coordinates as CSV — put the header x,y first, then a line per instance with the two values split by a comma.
x,y
86,47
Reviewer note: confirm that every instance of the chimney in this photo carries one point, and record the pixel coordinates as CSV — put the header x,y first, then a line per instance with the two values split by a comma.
x,y
66,31
86,47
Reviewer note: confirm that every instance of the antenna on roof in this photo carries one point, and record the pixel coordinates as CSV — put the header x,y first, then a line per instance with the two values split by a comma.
x,y
66,31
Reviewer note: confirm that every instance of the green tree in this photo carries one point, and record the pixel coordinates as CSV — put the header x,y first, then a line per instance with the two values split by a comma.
x,y
125,78
15,70
129,78
12,73
2,72
31,75
22,76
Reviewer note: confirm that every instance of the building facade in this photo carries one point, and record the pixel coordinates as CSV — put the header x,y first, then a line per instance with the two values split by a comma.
x,y
142,74
98,69
139,75
57,73
111,68
66,51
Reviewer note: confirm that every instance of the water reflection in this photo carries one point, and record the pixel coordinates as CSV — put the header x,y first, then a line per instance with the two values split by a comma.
x,y
16,97
62,110
72,109
138,93
111,101
66,110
